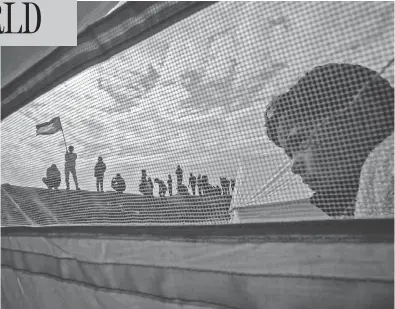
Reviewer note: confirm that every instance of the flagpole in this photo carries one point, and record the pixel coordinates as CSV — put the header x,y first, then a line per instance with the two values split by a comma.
x,y
64,140
63,134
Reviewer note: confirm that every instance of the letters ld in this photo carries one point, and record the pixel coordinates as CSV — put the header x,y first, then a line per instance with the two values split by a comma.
x,y
27,15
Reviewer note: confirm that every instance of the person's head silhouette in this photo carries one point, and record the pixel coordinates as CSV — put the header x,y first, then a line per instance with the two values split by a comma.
x,y
327,133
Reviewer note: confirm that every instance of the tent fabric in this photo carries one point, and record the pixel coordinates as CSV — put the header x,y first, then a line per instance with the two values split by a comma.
x,y
297,264
82,249
126,26
42,207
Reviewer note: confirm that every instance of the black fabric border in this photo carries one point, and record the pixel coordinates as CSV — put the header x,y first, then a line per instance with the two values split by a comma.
x,y
358,230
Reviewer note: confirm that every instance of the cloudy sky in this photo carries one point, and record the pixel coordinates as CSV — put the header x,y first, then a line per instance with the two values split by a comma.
x,y
195,95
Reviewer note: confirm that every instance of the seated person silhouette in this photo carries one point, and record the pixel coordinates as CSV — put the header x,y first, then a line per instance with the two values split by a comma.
x,y
118,183
336,125
162,187
53,178
217,190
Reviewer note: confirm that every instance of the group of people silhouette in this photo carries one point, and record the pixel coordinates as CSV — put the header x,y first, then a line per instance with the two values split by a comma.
x,y
53,179
146,187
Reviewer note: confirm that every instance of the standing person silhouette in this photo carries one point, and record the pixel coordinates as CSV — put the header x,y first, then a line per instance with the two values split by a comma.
x,y
233,184
69,167
100,168
192,183
170,185
151,187
179,176
199,184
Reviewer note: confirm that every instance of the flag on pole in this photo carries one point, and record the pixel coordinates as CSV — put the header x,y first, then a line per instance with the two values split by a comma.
x,y
48,128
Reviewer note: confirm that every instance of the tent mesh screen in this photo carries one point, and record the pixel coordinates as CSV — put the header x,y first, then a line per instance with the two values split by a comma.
x,y
280,111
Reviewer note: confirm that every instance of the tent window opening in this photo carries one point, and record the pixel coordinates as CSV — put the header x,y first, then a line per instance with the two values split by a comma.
x,y
185,113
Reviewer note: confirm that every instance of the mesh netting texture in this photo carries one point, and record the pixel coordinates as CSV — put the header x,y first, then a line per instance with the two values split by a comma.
x,y
242,112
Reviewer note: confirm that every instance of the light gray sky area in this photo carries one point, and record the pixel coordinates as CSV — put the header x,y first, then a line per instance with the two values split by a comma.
x,y
195,95
120,3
